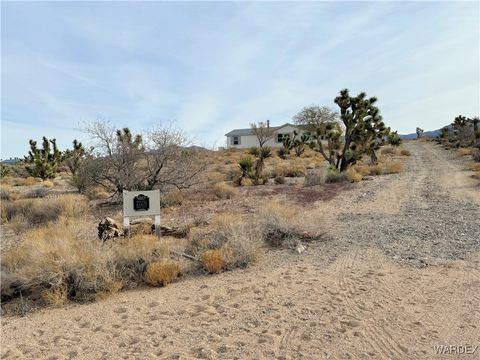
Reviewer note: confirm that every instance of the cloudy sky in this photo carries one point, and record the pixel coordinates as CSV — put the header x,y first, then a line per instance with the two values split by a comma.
x,y
215,66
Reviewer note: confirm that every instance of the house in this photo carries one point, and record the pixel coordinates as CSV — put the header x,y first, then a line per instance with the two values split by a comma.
x,y
245,138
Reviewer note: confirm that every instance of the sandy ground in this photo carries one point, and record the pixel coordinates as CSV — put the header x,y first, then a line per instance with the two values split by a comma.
x,y
398,275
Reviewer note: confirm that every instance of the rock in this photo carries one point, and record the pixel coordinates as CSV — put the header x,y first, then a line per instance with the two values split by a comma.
x,y
300,249
108,229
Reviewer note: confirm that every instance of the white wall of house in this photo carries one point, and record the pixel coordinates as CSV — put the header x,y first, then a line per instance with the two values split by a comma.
x,y
247,141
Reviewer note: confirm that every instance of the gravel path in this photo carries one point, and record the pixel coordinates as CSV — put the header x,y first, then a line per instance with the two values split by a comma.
x,y
428,213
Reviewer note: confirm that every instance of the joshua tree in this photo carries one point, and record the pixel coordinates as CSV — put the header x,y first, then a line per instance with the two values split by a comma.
x,y
45,161
364,128
419,132
72,158
299,143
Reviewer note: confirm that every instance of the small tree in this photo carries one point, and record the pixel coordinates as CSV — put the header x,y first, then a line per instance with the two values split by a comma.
x,y
263,132
323,125
45,161
72,158
394,139
419,132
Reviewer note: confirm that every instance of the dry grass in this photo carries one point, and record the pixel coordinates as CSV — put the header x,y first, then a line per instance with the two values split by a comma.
x,y
375,169
362,169
173,198
6,193
473,166
405,152
97,193
29,181
212,261
353,175
36,192
42,211
463,152
224,191
161,273
215,177
237,238
393,168
388,151
47,183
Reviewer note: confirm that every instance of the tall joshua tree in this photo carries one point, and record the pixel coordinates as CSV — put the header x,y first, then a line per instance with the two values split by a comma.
x,y
419,132
364,128
43,162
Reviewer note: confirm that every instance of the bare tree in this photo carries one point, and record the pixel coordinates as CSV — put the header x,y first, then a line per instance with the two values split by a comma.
x,y
262,131
124,161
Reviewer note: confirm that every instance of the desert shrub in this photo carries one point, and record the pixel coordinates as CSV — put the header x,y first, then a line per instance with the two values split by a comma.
x,y
6,193
236,237
212,260
37,192
172,198
4,170
295,171
393,168
405,152
215,177
224,191
161,273
388,151
353,175
474,166
333,175
255,151
282,153
29,181
375,169
463,152
476,155
41,211
279,180
97,193
47,184
314,177
280,225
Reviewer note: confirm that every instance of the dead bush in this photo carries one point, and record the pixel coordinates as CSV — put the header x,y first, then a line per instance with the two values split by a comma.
x,y
474,166
393,168
463,152
238,239
224,191
212,261
476,155
388,151
215,177
279,226
6,193
37,192
405,152
375,169
161,273
280,180
314,177
47,184
40,211
29,181
173,198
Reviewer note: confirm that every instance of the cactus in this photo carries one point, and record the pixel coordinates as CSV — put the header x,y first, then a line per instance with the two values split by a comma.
x,y
45,161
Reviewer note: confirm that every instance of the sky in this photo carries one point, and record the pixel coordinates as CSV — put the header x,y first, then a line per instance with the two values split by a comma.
x,y
210,67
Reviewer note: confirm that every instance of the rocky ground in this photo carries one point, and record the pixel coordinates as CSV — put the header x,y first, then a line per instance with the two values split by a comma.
x,y
397,274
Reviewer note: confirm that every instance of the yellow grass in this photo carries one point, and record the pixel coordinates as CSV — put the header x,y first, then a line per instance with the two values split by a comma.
x,y
47,183
353,175
393,168
212,261
29,181
161,273
463,152
174,197
224,190
473,166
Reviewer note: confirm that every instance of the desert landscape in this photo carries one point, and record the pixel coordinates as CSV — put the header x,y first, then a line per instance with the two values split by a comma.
x,y
392,277
239,180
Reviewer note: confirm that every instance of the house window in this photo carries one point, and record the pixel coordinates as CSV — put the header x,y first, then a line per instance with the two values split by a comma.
x,y
236,140
281,137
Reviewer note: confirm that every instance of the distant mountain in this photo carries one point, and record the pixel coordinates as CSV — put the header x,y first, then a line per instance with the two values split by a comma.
x,y
430,134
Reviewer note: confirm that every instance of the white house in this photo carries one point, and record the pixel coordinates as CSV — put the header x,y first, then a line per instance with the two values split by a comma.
x,y
245,138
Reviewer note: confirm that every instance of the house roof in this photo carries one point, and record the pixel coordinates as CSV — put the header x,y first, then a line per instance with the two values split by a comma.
x,y
249,131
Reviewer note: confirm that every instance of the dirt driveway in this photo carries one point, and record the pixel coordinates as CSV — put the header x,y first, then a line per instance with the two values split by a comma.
x,y
398,277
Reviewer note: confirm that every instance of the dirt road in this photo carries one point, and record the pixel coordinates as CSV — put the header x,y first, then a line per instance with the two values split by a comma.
x,y
399,275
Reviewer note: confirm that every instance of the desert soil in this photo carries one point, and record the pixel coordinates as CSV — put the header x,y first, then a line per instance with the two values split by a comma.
x,y
397,274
